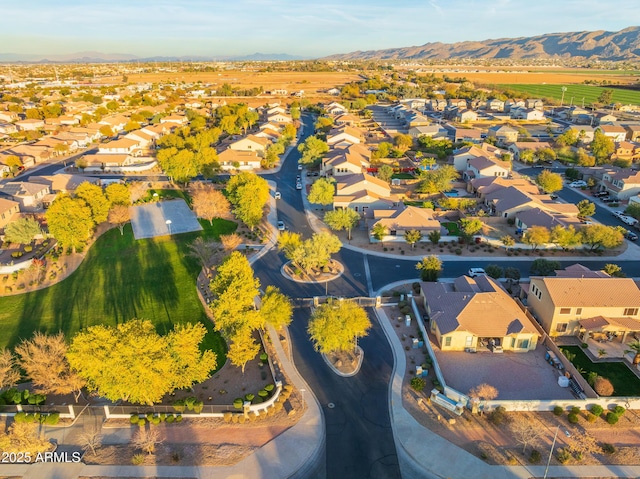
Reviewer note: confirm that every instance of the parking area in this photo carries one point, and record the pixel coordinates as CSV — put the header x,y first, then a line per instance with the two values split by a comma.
x,y
163,218
514,375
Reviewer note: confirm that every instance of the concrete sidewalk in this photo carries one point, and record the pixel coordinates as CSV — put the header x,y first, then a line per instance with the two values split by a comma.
x,y
424,454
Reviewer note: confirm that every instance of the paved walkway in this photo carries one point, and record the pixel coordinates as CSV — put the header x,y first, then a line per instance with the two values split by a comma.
x,y
424,454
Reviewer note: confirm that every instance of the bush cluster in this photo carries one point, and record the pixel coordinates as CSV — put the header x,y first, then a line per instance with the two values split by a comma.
x,y
154,419
50,419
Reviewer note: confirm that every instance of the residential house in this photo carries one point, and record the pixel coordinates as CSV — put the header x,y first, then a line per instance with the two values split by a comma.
x,y
462,155
344,135
57,146
279,118
251,143
346,160
62,183
579,302
484,166
584,132
413,119
459,103
406,218
107,162
494,105
28,154
7,128
618,133
176,119
621,184
467,134
145,140
513,103
231,159
116,123
126,146
465,116
8,209
29,124
519,146
604,118
482,187
335,108
534,103
269,134
363,193
9,116
507,202
633,132
626,150
474,313
276,109
529,114
503,133
347,119
433,131
436,104
528,218
29,195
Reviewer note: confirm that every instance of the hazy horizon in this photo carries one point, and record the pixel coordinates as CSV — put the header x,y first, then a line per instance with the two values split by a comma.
x,y
312,29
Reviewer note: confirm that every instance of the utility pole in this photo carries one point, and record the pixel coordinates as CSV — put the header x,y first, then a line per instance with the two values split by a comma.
x,y
564,89
553,445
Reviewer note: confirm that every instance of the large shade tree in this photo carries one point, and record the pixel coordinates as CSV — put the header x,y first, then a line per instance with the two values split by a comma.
x,y
337,324
70,222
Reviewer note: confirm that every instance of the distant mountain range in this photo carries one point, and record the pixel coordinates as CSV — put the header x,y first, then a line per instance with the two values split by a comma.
x,y
600,45
99,57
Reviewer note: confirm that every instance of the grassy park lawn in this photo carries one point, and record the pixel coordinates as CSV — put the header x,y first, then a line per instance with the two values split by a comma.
x,y
625,383
166,195
590,93
120,279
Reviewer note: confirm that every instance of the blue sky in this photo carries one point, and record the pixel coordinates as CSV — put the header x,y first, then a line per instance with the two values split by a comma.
x,y
297,27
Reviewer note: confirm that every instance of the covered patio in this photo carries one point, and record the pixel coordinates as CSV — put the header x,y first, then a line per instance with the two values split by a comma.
x,y
609,337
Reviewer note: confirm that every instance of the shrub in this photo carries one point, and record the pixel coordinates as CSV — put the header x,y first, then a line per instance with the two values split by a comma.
x,y
51,419
608,448
20,417
263,357
458,251
178,405
603,386
575,410
591,417
612,418
584,345
162,417
563,456
269,388
535,457
498,416
418,383
228,416
237,403
16,254
558,410
597,410
178,417
619,410
170,418
234,418
573,418
263,393
149,416
142,421
242,419
249,397
155,420
190,402
197,407
137,459
28,249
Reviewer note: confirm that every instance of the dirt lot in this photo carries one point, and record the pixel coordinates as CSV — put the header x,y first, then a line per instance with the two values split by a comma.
x,y
497,442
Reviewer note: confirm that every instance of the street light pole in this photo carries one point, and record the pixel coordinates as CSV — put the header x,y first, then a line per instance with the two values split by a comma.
x,y
553,445
168,222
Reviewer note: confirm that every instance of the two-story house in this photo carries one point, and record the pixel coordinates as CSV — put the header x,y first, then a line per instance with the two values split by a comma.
x,y
8,209
483,166
503,133
621,184
29,195
616,132
251,143
579,301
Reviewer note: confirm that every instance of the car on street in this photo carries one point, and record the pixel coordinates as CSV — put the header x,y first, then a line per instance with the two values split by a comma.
x,y
299,167
298,186
601,194
277,195
628,220
473,272
280,225
631,236
578,184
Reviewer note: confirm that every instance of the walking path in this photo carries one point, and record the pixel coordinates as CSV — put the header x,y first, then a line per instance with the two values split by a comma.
x,y
424,454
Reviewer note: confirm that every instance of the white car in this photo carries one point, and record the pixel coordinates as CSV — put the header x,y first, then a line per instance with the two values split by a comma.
x,y
298,186
277,195
299,167
473,272
281,226
578,184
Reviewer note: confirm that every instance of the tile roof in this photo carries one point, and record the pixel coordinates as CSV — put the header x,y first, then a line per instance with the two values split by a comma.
x,y
409,218
591,292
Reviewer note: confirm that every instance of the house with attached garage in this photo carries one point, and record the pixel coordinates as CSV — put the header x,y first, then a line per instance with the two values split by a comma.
x,y
344,135
363,193
474,313
251,143
616,132
503,133
432,131
7,128
529,114
507,202
483,166
583,132
620,184
633,132
581,302
123,146
8,209
346,160
462,155
29,125
335,108
494,105
230,159
279,118
465,116
29,195
405,218
466,134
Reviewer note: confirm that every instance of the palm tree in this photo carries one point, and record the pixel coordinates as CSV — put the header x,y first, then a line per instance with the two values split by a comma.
x,y
602,353
634,347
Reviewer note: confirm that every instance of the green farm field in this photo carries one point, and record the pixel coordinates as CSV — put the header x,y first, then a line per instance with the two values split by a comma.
x,y
590,93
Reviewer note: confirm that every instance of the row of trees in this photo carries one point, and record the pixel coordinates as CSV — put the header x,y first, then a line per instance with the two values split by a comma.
x,y
188,153
596,236
236,317
72,219
129,362
311,254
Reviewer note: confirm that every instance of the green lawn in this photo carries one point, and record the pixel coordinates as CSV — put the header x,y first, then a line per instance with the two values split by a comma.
x,y
590,93
403,176
166,194
120,279
625,383
452,227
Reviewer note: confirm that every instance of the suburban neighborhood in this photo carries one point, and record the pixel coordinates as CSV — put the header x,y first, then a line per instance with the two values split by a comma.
x,y
374,265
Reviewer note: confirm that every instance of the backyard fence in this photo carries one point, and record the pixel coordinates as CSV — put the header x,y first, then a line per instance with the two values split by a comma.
x,y
66,411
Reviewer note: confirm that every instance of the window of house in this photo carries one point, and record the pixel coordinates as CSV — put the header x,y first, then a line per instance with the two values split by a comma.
x,y
561,327
393,232
578,311
523,344
565,310
630,311
447,341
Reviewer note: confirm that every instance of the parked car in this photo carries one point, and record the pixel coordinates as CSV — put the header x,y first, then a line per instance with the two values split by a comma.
x,y
628,220
277,195
600,194
578,184
473,272
631,236
281,226
299,167
298,186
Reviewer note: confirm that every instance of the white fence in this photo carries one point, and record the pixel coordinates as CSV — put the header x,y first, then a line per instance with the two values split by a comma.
x,y
607,403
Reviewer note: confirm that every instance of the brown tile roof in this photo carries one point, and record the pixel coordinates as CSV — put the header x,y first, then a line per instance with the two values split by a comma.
x,y
592,292
410,218
579,271
6,205
483,309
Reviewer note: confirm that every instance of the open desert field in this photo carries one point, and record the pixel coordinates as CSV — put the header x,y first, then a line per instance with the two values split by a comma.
x,y
310,82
